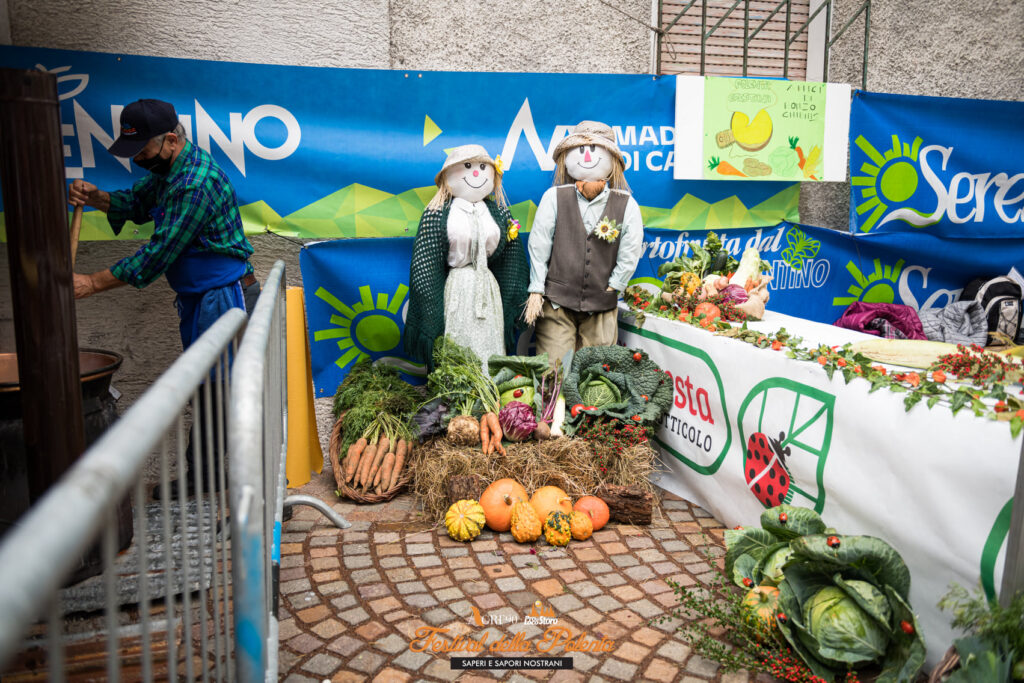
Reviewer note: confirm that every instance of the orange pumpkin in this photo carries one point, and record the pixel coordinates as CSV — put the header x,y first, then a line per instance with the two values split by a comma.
x,y
497,501
595,508
550,499
763,604
709,310
580,525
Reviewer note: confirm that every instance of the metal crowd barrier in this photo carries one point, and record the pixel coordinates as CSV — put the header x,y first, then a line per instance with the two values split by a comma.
x,y
257,427
165,609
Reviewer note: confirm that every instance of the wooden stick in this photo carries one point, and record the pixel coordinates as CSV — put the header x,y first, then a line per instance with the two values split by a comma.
x,y
76,229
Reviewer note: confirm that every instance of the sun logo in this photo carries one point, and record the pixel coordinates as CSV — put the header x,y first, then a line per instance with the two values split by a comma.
x,y
877,288
891,179
366,328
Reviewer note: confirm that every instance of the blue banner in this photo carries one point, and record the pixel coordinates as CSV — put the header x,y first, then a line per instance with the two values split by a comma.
x,y
940,166
355,311
321,152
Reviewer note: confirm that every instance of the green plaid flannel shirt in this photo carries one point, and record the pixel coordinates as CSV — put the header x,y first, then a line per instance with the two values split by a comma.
x,y
199,210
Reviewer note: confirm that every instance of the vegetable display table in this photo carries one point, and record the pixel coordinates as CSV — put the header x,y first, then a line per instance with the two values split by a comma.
x,y
750,428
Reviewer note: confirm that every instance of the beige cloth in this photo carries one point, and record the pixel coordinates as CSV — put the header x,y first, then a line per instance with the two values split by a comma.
x,y
560,330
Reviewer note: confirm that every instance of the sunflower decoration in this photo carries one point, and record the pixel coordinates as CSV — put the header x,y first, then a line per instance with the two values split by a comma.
x,y
608,230
513,229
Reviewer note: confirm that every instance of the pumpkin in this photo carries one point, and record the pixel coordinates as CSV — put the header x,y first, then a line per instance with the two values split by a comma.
x,y
526,526
550,498
762,603
580,525
497,501
557,529
464,520
595,508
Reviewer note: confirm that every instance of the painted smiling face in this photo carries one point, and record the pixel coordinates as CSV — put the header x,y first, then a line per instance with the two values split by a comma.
x,y
472,180
588,162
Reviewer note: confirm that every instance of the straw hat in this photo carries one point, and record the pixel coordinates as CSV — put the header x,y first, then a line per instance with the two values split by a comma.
x,y
589,133
460,155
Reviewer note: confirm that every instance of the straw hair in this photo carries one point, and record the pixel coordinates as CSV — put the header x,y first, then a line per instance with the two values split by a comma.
x,y
616,181
444,191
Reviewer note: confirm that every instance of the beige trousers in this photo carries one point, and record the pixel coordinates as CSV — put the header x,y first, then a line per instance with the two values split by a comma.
x,y
560,330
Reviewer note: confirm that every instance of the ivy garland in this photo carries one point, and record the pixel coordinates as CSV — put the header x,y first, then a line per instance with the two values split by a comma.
x,y
929,386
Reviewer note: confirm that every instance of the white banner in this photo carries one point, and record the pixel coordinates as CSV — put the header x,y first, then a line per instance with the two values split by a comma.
x,y
749,428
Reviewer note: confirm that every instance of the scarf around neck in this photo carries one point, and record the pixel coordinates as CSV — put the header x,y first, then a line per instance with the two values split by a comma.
x,y
590,188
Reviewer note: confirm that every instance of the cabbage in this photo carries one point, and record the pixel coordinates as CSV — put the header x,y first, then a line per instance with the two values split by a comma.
x,y
517,420
840,630
599,391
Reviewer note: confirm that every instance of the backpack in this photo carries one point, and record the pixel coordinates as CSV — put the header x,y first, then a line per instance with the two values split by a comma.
x,y
1000,297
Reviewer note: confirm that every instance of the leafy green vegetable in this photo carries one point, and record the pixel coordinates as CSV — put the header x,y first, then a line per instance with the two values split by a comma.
x,y
624,383
993,650
459,381
599,391
843,597
374,399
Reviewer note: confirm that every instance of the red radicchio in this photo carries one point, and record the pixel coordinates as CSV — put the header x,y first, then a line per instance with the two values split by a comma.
x,y
734,293
517,420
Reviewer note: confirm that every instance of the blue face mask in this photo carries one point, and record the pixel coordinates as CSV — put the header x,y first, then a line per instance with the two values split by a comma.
x,y
156,164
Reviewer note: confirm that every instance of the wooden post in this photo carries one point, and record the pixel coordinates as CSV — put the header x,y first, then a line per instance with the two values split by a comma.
x,y
1013,567
38,251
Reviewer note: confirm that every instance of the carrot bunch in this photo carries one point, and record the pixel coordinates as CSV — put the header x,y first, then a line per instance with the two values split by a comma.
x,y
376,465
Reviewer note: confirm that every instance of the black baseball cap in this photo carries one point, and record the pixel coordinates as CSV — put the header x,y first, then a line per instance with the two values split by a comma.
x,y
141,121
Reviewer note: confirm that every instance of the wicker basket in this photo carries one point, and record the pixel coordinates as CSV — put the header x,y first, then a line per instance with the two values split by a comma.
x,y
949,662
355,495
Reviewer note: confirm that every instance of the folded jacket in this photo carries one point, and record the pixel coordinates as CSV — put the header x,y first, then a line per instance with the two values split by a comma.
x,y
961,322
888,320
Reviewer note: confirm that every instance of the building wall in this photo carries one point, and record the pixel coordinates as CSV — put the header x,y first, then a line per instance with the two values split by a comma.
x,y
933,47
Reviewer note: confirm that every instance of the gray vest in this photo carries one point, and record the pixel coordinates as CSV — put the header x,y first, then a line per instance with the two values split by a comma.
x,y
581,263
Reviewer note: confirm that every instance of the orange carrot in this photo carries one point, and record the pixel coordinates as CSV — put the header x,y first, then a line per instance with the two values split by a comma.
x,y
496,433
383,477
485,434
389,460
725,168
396,472
351,462
364,464
400,453
378,457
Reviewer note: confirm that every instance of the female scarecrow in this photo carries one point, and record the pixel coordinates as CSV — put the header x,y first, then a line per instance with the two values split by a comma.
x,y
468,273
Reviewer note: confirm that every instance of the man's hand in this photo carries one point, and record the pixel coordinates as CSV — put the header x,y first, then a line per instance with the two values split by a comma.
x,y
83,285
81,193
100,281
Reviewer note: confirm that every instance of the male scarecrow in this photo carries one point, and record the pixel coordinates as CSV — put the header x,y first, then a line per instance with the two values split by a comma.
x,y
585,243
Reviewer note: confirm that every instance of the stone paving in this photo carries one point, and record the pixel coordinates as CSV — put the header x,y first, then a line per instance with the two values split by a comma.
x,y
357,604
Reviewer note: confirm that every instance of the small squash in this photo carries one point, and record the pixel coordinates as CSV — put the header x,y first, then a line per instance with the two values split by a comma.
x,y
762,603
464,520
550,498
580,525
526,526
595,508
497,501
557,528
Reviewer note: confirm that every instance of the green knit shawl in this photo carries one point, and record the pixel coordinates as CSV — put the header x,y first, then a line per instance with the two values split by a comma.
x,y
428,271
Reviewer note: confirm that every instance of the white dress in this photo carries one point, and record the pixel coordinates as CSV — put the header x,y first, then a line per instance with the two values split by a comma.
x,y
473,314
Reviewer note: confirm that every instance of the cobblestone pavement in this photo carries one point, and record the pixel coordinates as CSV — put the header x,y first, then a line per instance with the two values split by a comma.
x,y
353,601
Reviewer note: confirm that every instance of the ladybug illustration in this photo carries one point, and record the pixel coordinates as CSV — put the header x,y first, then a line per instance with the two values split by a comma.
x,y
765,468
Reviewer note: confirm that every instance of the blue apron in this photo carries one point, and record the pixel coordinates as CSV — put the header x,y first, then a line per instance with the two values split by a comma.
x,y
208,286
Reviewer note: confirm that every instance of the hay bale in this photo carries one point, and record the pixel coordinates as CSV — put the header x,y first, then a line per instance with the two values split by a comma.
x,y
567,463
